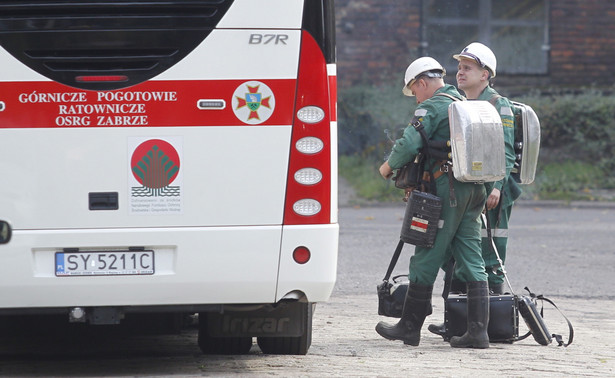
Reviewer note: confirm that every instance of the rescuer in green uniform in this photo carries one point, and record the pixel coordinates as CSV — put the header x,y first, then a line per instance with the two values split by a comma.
x,y
477,65
459,234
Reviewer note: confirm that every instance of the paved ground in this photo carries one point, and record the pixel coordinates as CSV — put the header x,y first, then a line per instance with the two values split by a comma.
x,y
591,354
345,345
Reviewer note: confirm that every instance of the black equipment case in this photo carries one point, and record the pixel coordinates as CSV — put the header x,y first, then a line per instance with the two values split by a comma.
x,y
504,312
421,218
503,317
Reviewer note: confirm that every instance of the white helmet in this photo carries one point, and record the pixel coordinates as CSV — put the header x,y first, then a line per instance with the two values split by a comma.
x,y
481,54
424,65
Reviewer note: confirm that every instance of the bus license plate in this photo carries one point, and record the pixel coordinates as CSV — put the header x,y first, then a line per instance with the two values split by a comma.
x,y
104,263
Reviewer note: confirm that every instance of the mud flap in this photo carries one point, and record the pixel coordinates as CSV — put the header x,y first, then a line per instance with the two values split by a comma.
x,y
284,319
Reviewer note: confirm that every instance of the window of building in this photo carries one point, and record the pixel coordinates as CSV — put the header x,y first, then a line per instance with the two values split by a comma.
x,y
516,31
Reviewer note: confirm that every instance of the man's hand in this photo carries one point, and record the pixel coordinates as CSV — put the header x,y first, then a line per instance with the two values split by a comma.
x,y
493,199
386,171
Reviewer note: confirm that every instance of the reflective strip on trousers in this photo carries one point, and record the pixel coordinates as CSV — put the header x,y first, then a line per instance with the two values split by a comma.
x,y
497,233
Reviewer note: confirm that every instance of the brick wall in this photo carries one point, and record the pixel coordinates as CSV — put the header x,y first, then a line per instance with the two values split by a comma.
x,y
376,40
582,36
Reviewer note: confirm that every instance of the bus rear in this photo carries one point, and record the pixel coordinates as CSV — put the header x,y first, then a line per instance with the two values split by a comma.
x,y
171,157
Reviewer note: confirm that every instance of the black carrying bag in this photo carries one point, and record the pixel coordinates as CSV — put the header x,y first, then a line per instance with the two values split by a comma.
x,y
409,176
391,295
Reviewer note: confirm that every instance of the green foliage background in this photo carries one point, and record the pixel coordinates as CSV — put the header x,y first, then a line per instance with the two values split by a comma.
x,y
577,140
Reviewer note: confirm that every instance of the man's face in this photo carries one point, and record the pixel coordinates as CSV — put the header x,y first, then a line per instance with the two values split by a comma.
x,y
419,90
469,74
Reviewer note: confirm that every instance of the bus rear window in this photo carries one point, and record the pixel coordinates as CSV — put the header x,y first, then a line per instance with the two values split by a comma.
x,y
86,45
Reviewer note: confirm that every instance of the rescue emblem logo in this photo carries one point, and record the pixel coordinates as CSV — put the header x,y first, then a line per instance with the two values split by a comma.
x,y
253,102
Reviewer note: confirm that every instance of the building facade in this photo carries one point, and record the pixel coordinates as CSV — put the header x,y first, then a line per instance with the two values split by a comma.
x,y
541,44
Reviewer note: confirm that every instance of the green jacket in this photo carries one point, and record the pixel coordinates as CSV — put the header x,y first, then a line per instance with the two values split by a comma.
x,y
433,114
508,187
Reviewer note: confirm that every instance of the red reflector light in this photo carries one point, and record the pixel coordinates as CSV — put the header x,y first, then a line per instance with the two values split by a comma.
x,y
101,79
301,255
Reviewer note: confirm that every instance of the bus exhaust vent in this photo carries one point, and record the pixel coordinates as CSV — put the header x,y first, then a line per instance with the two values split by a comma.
x,y
135,40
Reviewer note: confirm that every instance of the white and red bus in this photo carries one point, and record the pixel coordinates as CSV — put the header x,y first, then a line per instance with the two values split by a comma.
x,y
170,156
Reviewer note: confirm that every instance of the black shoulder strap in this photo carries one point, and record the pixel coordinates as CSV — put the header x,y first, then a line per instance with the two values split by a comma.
x,y
394,259
451,189
418,126
448,277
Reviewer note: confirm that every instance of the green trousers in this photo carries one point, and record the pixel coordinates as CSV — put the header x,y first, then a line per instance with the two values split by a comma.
x,y
498,218
459,236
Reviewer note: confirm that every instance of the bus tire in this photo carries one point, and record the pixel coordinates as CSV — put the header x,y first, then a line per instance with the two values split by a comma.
x,y
223,345
284,345
290,345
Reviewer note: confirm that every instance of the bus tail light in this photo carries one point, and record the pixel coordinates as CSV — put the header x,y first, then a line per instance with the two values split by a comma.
x,y
307,207
309,145
311,114
308,187
308,176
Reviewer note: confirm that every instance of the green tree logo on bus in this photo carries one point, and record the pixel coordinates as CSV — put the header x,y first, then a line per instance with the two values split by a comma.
x,y
155,165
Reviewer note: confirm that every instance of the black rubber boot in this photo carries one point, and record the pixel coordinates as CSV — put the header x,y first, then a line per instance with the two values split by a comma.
x,y
417,305
438,329
478,318
457,287
496,289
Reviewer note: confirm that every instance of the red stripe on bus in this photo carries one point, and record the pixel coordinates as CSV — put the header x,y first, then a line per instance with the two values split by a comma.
x,y
152,103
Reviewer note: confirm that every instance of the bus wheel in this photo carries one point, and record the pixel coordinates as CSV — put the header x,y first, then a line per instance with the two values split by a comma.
x,y
284,345
290,345
223,345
